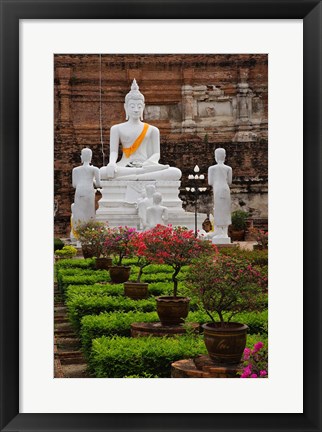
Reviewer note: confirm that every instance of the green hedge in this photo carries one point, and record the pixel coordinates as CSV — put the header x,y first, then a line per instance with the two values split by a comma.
x,y
111,324
119,324
79,306
120,357
114,290
256,257
81,277
94,290
75,263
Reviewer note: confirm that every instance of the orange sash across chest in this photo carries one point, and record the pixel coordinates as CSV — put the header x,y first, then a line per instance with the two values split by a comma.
x,y
130,150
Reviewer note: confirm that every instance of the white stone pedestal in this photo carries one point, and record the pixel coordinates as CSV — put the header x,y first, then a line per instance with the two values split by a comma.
x,y
118,203
221,240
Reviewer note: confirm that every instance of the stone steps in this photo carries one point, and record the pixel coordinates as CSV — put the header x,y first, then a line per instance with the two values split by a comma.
x,y
69,361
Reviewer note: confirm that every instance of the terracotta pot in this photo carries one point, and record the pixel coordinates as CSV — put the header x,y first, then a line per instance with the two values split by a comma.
x,y
225,342
103,263
87,252
237,235
119,274
172,310
136,290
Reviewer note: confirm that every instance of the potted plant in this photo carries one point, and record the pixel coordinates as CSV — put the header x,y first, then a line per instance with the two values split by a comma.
x,y
66,252
238,225
226,286
176,247
118,243
261,238
138,245
92,235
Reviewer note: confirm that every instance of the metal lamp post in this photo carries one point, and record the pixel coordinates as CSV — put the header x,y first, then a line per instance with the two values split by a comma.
x,y
196,190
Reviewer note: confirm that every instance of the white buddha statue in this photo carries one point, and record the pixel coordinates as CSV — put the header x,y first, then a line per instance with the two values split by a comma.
x,y
140,145
83,179
157,214
220,178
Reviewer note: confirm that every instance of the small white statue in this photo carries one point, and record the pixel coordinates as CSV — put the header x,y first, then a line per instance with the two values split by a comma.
x,y
83,179
156,214
140,145
143,204
220,178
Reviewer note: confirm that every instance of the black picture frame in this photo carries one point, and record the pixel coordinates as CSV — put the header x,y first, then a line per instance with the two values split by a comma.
x,y
11,12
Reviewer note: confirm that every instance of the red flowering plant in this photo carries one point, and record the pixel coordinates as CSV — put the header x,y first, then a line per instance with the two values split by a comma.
x,y
260,236
118,242
176,247
92,236
139,246
255,362
227,285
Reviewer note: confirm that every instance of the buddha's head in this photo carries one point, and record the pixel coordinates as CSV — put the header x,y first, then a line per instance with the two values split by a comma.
x,y
86,155
220,155
134,102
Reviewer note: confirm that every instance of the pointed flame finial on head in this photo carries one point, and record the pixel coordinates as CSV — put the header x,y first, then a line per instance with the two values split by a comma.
x,y
134,93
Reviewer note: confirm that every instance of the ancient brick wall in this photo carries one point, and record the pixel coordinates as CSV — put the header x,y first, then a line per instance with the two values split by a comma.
x,y
199,102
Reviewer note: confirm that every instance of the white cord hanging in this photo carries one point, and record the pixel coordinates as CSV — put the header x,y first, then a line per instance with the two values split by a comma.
x,y
101,123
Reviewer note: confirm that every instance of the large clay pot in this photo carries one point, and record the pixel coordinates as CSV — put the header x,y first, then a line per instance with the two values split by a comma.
x,y
237,235
225,342
103,263
119,274
87,252
172,310
136,290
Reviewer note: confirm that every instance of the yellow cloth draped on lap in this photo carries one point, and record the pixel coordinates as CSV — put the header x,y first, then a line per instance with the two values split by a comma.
x,y
130,150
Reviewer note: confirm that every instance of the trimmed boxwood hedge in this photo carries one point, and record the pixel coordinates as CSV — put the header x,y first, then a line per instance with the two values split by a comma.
x,y
114,290
120,357
81,277
87,263
119,324
79,306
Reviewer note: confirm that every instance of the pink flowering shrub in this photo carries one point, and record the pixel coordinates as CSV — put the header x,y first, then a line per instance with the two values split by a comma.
x,y
118,242
92,235
255,362
227,285
260,236
176,247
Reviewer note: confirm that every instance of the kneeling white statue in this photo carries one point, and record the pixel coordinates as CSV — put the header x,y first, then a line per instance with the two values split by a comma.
x,y
156,214
140,146
220,178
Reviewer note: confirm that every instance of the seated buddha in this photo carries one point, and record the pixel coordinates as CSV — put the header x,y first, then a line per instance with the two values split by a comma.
x,y
140,146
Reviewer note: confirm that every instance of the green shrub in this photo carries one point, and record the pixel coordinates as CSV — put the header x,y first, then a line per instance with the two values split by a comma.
x,y
66,252
58,244
238,219
119,324
75,263
120,357
79,306
81,277
94,290
256,257
111,324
